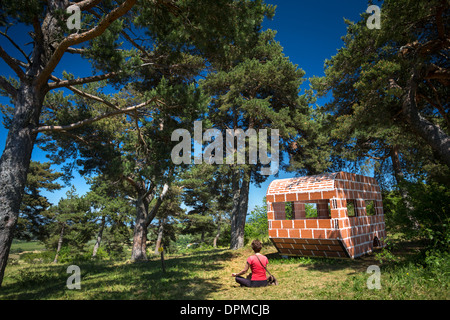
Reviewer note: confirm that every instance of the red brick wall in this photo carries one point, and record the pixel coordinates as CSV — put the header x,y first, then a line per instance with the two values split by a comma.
x,y
356,234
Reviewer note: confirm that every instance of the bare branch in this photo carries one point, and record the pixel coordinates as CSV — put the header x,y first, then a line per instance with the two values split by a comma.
x,y
86,4
65,83
131,181
13,63
91,96
150,192
15,45
438,73
91,120
75,50
432,134
438,106
86,95
106,102
8,87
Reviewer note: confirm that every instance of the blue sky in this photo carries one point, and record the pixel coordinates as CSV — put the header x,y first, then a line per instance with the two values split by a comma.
x,y
309,31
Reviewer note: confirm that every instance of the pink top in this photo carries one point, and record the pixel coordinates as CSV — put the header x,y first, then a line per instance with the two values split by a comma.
x,y
258,271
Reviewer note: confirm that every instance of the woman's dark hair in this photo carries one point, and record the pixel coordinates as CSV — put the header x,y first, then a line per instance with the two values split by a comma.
x,y
256,246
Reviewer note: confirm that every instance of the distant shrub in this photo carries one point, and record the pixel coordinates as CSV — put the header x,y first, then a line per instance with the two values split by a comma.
x,y
101,254
257,226
429,218
31,277
46,256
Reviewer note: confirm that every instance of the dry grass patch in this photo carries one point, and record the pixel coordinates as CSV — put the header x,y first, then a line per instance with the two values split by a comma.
x,y
299,278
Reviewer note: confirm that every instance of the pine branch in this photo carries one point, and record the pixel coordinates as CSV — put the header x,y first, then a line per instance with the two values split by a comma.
x,y
91,120
125,35
75,39
66,83
86,95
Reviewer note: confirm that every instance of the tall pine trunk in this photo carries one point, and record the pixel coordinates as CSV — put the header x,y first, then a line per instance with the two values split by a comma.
x,y
99,237
14,164
400,178
162,223
60,241
139,250
240,207
216,238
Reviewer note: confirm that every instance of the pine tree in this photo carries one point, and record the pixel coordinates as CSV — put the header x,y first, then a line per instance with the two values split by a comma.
x,y
258,89
112,212
71,226
389,87
33,77
171,30
207,195
32,218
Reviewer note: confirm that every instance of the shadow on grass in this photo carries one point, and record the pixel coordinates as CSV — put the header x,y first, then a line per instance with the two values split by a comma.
x,y
404,251
322,264
192,276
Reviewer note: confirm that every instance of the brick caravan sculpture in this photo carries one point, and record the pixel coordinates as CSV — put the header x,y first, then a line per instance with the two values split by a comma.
x,y
330,215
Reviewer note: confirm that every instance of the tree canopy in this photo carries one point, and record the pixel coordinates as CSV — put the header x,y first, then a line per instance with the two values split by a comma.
x,y
390,88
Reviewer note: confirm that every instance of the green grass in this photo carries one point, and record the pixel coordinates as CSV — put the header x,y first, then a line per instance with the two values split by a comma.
x,y
19,246
206,274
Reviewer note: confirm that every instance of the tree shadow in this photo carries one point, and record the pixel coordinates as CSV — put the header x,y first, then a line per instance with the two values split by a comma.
x,y
322,264
184,279
402,250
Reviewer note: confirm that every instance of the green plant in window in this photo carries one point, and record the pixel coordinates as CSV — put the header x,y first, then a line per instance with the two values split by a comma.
x,y
289,209
370,207
311,210
351,208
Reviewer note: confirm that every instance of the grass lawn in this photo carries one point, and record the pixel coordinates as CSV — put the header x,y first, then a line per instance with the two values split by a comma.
x,y
206,274
19,246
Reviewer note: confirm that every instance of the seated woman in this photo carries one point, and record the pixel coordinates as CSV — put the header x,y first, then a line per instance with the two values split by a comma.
x,y
257,264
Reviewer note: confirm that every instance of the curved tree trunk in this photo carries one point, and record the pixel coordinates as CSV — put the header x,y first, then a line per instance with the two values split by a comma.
x,y
431,133
144,217
14,164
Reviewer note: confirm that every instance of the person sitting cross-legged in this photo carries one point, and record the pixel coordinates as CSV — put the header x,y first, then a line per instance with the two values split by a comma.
x,y
256,263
